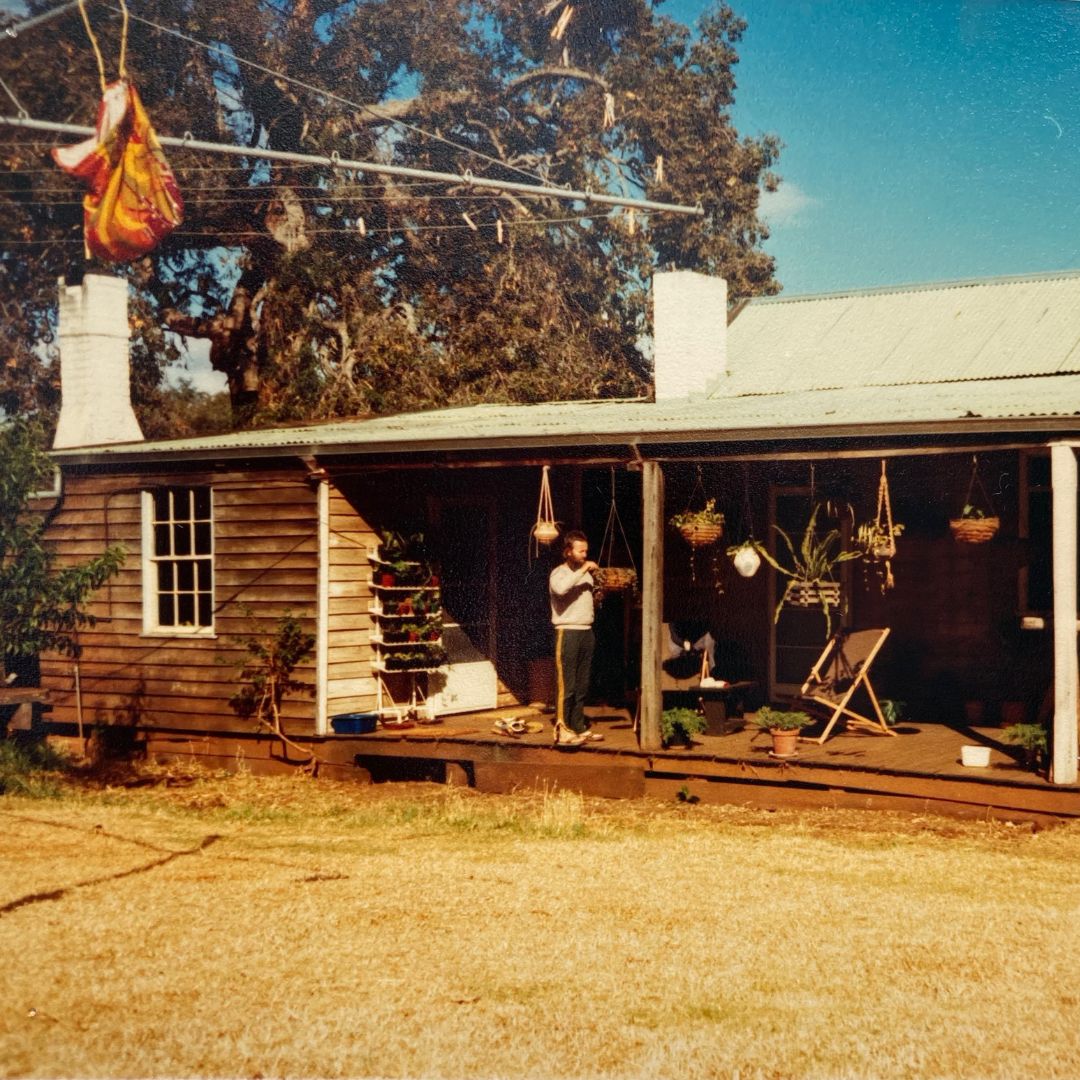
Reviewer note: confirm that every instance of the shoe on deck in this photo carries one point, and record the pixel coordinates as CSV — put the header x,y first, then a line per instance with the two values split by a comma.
x,y
565,737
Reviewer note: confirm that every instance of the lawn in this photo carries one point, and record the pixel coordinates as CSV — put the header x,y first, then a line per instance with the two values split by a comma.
x,y
233,926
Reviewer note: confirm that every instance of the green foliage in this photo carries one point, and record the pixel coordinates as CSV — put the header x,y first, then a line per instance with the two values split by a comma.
x,y
811,563
679,724
707,515
972,512
308,315
892,710
1029,736
42,606
30,769
268,672
872,537
768,719
182,412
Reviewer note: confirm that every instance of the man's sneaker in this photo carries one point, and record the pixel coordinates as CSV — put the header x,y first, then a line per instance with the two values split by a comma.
x,y
565,737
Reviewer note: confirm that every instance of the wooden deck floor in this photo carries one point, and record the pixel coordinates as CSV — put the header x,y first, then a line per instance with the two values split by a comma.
x,y
918,769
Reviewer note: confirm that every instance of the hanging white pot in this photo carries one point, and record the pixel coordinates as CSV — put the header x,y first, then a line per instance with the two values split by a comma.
x,y
747,560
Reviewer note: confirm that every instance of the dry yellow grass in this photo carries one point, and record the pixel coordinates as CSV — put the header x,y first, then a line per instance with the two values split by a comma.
x,y
287,927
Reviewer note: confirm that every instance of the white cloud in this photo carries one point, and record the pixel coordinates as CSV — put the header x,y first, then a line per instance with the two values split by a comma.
x,y
194,366
785,205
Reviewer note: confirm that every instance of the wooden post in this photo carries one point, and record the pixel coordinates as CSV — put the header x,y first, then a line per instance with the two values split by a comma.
x,y
322,610
1063,475
652,603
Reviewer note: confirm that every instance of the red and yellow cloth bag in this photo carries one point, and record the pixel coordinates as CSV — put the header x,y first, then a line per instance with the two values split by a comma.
x,y
133,201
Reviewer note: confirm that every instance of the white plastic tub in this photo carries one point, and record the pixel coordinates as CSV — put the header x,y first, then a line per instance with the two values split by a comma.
x,y
975,757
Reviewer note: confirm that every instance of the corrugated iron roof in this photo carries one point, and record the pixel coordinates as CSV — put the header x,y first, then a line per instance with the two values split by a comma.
x,y
989,329
957,356
1051,403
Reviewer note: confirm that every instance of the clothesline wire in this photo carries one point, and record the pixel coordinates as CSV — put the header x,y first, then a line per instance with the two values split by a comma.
x,y
260,196
480,226
329,95
278,75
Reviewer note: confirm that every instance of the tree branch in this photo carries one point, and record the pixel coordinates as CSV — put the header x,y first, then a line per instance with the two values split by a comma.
x,y
558,73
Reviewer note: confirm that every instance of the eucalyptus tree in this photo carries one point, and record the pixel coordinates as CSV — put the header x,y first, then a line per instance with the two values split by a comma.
x,y
326,292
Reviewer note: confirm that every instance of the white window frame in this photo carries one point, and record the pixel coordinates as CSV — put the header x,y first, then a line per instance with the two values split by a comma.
x,y
150,562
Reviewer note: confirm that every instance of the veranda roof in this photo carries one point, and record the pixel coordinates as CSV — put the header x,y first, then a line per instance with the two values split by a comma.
x,y
955,358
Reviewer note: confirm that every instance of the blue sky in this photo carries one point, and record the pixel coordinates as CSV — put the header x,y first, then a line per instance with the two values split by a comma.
x,y
924,141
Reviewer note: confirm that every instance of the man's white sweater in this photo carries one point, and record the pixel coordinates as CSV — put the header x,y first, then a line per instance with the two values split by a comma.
x,y
570,592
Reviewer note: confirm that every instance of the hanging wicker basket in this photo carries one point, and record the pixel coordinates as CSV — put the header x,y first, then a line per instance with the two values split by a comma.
x,y
546,529
812,593
974,530
545,532
974,526
616,578
699,535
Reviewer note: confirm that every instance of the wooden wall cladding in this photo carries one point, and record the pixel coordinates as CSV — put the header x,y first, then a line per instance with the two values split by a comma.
x,y
266,564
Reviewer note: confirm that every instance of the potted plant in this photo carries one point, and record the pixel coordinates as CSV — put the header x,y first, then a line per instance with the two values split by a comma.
x,y
1031,738
616,579
893,711
974,526
679,724
876,540
745,557
810,573
784,727
700,527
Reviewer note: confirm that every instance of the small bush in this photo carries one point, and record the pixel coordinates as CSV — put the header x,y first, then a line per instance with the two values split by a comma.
x,y
30,769
678,725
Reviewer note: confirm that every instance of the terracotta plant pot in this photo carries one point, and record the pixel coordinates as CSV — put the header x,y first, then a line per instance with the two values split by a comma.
x,y
387,578
785,742
974,712
1013,712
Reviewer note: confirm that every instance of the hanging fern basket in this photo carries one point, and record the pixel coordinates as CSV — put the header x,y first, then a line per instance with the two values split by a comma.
x,y
974,525
698,534
973,530
616,578
618,571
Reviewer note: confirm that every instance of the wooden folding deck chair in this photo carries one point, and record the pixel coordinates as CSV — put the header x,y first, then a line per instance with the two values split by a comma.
x,y
841,669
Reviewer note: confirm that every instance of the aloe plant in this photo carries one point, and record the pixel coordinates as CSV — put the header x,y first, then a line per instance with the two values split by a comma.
x,y
811,563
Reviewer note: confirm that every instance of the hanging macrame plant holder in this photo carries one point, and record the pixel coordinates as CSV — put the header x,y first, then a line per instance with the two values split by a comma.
x,y
975,525
877,538
621,575
546,529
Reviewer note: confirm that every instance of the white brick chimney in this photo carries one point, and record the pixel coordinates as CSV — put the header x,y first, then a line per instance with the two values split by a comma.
x,y
689,332
95,381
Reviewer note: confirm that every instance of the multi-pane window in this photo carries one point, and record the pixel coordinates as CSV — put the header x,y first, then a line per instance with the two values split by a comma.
x,y
179,561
